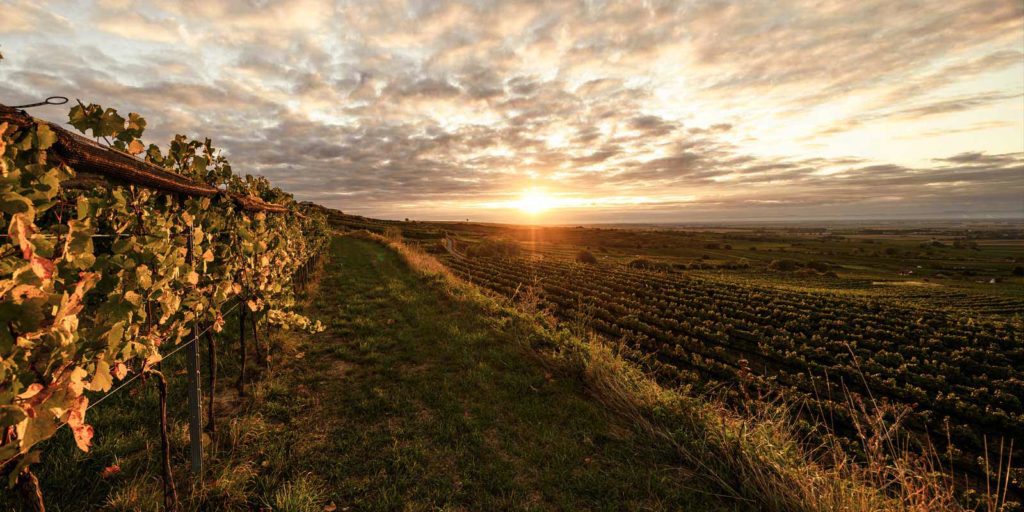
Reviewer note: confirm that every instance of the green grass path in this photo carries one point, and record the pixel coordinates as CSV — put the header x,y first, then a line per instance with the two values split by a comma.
x,y
422,402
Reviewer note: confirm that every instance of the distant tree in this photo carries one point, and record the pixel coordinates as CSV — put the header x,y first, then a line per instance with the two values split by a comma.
x,y
586,257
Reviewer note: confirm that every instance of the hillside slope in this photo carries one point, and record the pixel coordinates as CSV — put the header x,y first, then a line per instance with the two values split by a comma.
x,y
412,399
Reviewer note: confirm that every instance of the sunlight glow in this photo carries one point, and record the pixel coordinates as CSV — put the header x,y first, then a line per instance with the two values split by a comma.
x,y
534,201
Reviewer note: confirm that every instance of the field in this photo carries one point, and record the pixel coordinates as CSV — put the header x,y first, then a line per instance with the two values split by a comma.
x,y
844,323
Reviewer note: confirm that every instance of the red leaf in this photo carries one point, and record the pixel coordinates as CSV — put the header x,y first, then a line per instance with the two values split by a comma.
x,y
110,471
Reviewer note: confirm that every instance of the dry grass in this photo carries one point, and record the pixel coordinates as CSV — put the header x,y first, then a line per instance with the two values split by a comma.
x,y
757,455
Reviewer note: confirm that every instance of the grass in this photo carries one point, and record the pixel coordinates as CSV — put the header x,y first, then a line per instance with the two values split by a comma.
x,y
756,456
414,398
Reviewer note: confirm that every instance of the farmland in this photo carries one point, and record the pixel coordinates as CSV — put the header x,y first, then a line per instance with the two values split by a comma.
x,y
843,322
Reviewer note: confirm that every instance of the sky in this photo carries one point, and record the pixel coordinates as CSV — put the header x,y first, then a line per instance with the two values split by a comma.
x,y
564,112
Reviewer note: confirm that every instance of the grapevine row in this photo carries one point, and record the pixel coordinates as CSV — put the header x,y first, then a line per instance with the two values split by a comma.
x,y
105,269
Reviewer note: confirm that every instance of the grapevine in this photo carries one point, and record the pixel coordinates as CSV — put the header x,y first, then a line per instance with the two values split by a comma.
x,y
96,282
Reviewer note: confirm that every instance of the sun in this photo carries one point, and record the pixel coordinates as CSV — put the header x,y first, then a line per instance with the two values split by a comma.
x,y
534,201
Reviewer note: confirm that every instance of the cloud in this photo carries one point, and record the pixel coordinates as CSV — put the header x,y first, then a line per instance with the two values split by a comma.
x,y
652,125
391,106
139,27
21,16
953,105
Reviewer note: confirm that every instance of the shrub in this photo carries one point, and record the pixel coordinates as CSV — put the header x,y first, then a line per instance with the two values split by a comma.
x,y
818,266
494,248
784,265
586,257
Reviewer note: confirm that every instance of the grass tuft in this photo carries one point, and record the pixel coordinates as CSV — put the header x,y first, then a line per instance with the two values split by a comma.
x,y
302,494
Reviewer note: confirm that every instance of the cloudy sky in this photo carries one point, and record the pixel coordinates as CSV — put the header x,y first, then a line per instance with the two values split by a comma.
x,y
600,111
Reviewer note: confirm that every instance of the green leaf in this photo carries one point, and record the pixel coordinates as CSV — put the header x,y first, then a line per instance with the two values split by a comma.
x,y
136,124
79,118
110,124
84,208
115,334
11,203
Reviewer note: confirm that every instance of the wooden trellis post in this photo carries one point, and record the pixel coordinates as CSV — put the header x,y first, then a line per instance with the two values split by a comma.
x,y
195,404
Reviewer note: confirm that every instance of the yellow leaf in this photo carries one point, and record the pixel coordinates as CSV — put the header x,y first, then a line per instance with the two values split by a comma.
x,y
152,360
75,383
20,229
76,420
31,391
120,370
42,267
134,298
101,380
136,147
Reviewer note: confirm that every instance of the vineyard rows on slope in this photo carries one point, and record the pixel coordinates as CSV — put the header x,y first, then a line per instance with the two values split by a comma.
x,y
963,376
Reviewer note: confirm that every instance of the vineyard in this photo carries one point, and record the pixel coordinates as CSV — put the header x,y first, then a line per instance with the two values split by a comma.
x,y
118,255
837,356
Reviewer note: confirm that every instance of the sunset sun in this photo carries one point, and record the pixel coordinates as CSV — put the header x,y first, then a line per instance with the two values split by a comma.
x,y
535,201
